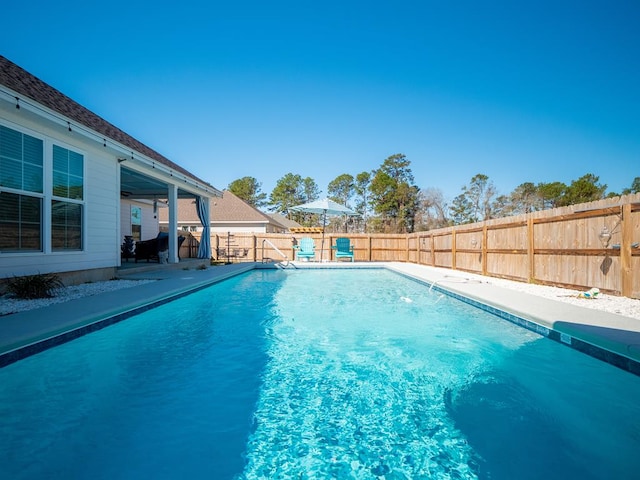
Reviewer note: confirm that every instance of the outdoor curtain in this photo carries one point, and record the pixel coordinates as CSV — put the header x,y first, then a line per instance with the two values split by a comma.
x,y
202,206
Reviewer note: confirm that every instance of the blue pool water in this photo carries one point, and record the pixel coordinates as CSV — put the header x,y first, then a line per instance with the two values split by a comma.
x,y
317,374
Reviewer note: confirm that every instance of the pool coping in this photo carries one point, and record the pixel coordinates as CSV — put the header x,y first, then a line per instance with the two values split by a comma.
x,y
612,338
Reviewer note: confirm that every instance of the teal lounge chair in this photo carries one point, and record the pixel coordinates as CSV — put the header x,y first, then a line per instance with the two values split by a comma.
x,y
343,248
306,248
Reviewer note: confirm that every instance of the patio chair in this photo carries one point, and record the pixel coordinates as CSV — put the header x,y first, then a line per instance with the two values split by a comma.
x,y
150,249
305,249
343,248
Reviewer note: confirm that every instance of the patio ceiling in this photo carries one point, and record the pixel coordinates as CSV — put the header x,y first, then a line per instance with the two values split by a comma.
x,y
139,186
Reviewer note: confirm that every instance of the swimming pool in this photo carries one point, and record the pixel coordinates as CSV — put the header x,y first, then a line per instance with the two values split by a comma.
x,y
317,374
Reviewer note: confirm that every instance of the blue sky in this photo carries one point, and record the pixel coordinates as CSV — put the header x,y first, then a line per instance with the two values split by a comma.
x,y
518,91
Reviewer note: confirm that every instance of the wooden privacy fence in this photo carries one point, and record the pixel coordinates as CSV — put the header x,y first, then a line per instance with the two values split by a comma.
x,y
266,247
582,246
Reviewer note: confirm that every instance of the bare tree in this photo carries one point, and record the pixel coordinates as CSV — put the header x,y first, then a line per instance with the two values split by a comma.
x,y
432,210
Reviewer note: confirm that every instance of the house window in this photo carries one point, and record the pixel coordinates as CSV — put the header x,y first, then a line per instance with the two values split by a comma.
x,y
21,191
20,223
66,204
68,168
66,225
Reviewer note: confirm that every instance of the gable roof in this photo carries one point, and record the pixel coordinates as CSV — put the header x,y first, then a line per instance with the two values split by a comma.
x,y
284,221
30,87
228,208
186,212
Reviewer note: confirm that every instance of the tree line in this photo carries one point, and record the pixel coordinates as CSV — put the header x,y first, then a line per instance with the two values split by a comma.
x,y
388,200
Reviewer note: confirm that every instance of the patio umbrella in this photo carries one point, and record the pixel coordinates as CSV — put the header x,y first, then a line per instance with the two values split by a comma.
x,y
325,207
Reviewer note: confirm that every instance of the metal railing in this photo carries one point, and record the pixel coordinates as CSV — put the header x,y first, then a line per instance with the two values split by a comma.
x,y
286,263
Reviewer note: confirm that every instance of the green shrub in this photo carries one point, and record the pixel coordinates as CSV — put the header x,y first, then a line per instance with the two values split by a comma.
x,y
35,286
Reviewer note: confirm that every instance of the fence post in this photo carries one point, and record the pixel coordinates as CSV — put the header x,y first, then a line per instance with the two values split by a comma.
x,y
330,254
255,248
484,249
453,249
531,263
626,280
369,248
433,250
406,248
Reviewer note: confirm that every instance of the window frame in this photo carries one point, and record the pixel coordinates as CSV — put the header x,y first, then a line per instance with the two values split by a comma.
x,y
33,194
46,197
66,199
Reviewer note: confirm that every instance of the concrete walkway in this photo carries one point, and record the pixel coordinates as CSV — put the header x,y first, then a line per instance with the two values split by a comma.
x,y
592,331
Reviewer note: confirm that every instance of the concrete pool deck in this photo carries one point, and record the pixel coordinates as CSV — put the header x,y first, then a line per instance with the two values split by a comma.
x,y
595,332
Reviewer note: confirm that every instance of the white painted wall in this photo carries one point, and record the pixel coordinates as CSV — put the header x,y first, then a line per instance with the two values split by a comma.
x,y
149,224
101,177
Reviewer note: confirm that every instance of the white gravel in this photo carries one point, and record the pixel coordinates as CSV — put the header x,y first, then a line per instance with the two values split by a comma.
x,y
628,307
9,304
620,305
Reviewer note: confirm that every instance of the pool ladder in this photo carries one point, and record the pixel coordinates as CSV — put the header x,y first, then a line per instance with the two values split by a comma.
x,y
280,264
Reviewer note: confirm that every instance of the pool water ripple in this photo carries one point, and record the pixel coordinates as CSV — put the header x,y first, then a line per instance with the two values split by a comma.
x,y
362,390
426,388
317,374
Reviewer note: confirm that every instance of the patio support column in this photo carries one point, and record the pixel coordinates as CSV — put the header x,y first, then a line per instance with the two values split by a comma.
x,y
173,223
119,236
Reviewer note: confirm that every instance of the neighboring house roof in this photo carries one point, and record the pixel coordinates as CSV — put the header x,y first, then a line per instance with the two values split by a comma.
x,y
27,85
231,208
226,209
282,220
186,212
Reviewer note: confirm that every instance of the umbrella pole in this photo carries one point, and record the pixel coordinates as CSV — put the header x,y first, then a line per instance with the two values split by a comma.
x,y
324,222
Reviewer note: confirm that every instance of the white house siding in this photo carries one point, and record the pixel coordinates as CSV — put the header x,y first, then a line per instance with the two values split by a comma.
x,y
102,211
100,246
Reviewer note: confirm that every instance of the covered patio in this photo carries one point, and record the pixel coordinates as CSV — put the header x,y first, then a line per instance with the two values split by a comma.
x,y
141,196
